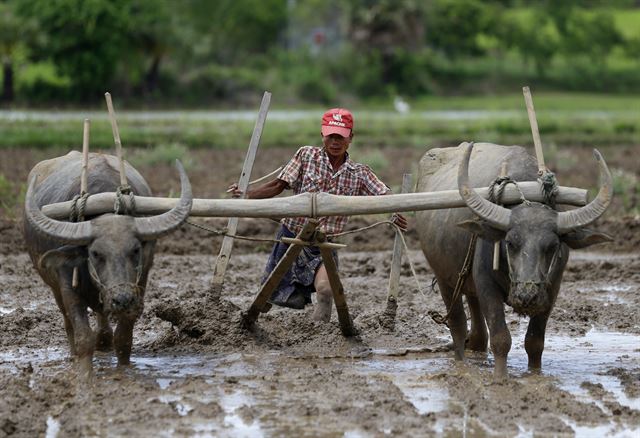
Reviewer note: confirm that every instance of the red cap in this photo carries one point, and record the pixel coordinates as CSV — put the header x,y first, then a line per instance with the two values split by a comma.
x,y
337,121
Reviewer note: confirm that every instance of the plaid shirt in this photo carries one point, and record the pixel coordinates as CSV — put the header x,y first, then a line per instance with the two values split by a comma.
x,y
310,171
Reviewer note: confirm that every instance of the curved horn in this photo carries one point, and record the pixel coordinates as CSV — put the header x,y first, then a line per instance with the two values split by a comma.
x,y
149,228
496,215
570,220
70,233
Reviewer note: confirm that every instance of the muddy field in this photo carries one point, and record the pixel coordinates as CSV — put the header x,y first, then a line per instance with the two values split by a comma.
x,y
197,372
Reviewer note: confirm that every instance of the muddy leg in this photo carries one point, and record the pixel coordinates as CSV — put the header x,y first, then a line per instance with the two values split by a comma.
x,y
322,311
83,337
104,338
493,309
534,340
457,320
68,327
123,340
478,338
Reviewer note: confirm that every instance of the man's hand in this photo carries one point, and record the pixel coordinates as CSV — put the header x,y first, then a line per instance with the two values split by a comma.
x,y
400,221
235,191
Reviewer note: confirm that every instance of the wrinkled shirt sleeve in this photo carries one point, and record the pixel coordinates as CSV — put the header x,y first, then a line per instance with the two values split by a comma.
x,y
292,172
371,184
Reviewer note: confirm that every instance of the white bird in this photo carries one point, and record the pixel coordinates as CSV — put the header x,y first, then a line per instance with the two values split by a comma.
x,y
401,105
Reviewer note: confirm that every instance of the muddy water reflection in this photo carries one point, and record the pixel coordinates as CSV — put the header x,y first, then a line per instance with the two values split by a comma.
x,y
243,383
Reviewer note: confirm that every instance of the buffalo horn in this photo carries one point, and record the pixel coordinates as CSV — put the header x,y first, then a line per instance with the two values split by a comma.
x,y
494,214
70,233
149,228
570,220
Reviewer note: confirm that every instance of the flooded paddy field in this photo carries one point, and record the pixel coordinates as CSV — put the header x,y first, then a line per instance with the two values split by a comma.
x,y
196,372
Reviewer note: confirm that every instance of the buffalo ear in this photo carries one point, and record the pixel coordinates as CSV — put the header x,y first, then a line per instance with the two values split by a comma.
x,y
483,230
68,256
583,237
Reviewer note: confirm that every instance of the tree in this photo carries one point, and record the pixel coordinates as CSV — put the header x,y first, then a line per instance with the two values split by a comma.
x,y
16,35
85,39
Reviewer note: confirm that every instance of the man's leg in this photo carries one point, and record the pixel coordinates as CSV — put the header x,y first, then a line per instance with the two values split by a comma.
x,y
322,311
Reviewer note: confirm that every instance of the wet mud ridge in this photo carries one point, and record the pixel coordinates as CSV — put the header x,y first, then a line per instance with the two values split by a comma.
x,y
197,372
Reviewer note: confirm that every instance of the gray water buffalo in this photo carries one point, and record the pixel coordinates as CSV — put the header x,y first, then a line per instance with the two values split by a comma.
x,y
113,253
534,246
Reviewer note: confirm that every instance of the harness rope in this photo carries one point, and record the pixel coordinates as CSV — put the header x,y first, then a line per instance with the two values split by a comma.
x,y
120,206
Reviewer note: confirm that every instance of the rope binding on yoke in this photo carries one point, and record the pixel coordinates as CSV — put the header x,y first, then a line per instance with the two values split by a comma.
x,y
78,205
120,206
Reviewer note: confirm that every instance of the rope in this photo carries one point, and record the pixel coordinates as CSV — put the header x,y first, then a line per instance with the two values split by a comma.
x,y
78,205
549,188
225,233
120,206
462,276
496,188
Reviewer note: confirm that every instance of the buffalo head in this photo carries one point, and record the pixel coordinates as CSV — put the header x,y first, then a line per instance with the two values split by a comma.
x,y
117,250
534,235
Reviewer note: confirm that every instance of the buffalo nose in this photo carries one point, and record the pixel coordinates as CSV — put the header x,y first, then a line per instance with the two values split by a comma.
x,y
122,301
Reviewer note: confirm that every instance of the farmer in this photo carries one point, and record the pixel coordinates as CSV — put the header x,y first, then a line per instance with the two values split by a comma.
x,y
313,169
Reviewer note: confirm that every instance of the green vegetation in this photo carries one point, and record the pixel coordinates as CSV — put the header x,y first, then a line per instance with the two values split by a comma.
x,y
587,119
199,53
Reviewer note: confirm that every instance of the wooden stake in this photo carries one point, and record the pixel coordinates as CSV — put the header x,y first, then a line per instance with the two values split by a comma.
x,y
534,129
83,179
259,303
396,261
346,325
227,243
496,245
116,138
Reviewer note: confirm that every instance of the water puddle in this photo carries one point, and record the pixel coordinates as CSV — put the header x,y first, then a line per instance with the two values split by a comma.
x,y
573,360
242,384
608,293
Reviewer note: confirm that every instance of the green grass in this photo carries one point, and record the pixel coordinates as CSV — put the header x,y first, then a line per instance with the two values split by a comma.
x,y
563,118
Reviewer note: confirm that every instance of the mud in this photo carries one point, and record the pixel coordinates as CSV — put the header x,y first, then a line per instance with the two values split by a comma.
x,y
197,372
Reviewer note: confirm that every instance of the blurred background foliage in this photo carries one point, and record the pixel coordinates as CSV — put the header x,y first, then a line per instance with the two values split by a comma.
x,y
199,53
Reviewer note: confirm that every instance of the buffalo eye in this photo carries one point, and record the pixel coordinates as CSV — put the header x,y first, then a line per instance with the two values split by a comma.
x,y
96,255
135,252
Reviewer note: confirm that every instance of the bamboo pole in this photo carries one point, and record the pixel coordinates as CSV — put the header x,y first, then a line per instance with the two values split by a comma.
x,y
346,325
83,179
260,301
222,261
116,138
327,204
396,263
496,245
534,129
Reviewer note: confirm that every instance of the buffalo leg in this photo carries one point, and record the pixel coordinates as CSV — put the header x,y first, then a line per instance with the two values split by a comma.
x,y
534,340
83,338
68,327
104,337
478,338
457,320
123,340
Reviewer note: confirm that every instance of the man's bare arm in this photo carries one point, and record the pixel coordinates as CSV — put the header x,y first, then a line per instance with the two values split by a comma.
x,y
266,190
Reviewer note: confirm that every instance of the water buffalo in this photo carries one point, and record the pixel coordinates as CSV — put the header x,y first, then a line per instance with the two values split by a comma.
x,y
534,246
113,253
